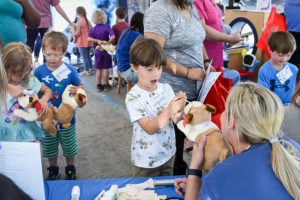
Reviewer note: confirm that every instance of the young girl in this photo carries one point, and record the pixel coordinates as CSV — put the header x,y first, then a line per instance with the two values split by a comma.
x,y
103,61
83,27
17,62
152,107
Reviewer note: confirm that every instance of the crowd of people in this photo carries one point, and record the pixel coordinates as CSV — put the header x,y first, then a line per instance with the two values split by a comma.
x,y
165,53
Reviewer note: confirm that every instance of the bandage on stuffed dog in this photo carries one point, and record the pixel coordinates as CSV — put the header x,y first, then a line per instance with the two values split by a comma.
x,y
70,103
31,106
196,124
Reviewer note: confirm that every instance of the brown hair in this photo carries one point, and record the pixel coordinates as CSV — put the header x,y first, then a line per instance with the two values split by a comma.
x,y
99,17
181,4
17,55
282,42
55,40
81,11
147,52
295,95
121,12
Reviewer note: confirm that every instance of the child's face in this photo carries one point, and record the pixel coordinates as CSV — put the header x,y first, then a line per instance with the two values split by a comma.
x,y
15,75
148,76
53,57
280,58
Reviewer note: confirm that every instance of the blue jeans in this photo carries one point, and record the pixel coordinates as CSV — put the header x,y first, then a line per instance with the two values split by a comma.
x,y
232,74
85,54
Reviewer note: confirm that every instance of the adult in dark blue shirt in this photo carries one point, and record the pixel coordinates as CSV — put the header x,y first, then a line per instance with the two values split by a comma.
x,y
127,38
264,167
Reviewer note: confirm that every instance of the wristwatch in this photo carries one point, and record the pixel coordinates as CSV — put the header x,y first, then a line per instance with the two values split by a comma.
x,y
207,60
195,172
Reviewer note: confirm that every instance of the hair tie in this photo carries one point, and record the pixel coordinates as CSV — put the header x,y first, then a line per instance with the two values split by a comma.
x,y
275,139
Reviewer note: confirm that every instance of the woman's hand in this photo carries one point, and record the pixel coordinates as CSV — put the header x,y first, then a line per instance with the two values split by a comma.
x,y
196,74
180,185
235,38
198,154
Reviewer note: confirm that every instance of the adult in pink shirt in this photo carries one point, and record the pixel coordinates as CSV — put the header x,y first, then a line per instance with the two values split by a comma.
x,y
211,18
43,7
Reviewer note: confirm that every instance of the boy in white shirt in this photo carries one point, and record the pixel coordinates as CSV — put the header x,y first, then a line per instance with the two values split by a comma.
x,y
152,107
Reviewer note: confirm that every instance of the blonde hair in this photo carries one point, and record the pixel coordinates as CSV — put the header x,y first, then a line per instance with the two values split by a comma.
x,y
258,113
99,17
18,55
55,40
3,86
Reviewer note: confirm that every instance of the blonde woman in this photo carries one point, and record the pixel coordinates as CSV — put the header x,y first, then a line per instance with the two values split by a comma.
x,y
264,167
103,61
290,125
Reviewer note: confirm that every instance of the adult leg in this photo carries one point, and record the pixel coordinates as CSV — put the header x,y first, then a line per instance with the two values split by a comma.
x,y
32,34
179,165
37,47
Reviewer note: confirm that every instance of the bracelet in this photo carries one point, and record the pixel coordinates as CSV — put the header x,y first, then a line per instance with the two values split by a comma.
x,y
207,60
195,172
187,72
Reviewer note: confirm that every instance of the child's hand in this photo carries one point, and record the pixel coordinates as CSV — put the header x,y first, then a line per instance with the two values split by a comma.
x,y
73,89
15,91
44,105
178,103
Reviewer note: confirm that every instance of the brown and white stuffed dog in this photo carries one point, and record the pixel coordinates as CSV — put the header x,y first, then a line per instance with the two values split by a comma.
x,y
65,112
31,107
106,46
196,124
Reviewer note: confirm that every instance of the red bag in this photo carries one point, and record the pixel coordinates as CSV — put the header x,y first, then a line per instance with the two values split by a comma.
x,y
275,22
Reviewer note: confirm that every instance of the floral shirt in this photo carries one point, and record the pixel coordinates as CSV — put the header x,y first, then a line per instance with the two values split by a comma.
x,y
150,151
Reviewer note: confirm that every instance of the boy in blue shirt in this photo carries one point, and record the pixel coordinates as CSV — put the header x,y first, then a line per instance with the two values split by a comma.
x,y
57,75
277,74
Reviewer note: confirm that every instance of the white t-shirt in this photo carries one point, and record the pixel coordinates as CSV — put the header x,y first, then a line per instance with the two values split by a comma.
x,y
150,151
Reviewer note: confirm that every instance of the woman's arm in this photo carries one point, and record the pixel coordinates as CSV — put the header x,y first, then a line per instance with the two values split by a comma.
x,y
175,68
214,35
31,16
63,14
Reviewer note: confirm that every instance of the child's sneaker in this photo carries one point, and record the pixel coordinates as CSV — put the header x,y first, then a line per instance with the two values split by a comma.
x,y
107,87
53,173
100,87
70,171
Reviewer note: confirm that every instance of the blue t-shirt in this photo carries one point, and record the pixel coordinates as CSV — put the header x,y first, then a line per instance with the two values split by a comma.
x,y
11,24
123,47
267,78
13,128
291,10
248,175
46,76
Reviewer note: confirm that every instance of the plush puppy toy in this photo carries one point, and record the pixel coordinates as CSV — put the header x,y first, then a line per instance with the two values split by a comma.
x,y
106,46
65,112
196,124
31,106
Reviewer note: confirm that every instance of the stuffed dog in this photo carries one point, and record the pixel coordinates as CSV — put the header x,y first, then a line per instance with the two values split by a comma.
x,y
31,107
65,112
108,47
196,124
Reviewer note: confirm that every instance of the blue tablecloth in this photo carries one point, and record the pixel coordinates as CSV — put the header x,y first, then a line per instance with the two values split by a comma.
x,y
89,189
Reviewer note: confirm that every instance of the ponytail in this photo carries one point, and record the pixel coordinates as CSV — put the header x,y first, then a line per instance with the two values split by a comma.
x,y
286,166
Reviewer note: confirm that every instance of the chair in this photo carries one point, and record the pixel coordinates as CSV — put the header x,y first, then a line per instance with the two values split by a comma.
x,y
120,80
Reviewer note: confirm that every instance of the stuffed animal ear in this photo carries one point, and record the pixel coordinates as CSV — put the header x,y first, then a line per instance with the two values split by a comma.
x,y
210,108
34,103
189,118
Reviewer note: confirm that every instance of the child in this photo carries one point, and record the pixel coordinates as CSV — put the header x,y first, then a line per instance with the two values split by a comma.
x,y
127,38
57,75
17,62
103,61
277,74
152,107
83,27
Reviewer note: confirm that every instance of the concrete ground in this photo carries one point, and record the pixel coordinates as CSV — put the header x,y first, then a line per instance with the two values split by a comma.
x,y
103,135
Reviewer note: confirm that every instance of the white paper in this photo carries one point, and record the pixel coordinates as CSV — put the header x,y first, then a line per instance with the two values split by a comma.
x,y
263,5
209,80
61,73
21,162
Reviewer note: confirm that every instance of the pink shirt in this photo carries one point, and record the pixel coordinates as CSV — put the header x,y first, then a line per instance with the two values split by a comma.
x,y
43,7
212,14
82,39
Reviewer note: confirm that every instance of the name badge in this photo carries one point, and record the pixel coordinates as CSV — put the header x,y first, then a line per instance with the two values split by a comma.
x,y
284,74
61,73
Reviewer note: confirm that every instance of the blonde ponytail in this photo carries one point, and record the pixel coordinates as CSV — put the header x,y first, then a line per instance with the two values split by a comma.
x,y
3,85
286,166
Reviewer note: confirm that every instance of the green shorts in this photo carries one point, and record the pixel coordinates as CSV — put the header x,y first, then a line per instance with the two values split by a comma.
x,y
67,139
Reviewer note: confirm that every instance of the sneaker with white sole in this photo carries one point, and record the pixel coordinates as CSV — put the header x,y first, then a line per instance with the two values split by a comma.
x,y
84,73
